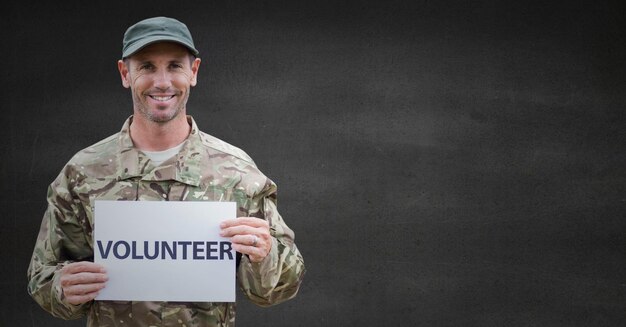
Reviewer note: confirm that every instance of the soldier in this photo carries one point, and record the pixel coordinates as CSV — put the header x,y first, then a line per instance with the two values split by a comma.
x,y
160,154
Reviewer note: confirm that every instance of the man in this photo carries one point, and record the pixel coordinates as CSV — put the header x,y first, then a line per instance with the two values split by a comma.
x,y
160,155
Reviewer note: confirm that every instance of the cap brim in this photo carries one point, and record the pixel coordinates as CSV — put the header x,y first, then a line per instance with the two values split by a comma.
x,y
133,48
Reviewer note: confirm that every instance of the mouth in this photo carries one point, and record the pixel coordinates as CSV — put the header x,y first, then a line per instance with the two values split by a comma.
x,y
162,98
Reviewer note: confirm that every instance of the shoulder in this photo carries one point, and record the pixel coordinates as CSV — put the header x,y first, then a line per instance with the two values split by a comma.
x,y
96,160
97,152
225,148
234,164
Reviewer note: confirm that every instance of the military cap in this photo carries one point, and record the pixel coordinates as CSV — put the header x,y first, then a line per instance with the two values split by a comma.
x,y
156,29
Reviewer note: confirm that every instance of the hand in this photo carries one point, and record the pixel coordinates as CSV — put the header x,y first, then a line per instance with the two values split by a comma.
x,y
82,281
248,235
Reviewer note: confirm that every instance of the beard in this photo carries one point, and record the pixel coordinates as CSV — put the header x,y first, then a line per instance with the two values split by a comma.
x,y
162,114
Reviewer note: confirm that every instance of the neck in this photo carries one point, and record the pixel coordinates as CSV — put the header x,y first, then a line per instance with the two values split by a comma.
x,y
152,136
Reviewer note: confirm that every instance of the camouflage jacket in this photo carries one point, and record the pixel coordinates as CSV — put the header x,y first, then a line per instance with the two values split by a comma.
x,y
206,169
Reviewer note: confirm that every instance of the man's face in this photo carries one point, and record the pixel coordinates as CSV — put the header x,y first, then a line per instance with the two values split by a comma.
x,y
160,77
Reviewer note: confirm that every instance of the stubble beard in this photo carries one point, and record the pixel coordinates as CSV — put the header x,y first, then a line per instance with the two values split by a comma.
x,y
157,116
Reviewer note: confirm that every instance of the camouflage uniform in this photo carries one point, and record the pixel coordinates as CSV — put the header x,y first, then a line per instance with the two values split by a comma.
x,y
206,169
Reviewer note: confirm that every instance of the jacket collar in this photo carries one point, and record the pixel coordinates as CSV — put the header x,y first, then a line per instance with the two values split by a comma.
x,y
184,167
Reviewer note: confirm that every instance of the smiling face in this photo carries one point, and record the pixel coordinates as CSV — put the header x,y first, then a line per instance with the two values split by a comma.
x,y
160,77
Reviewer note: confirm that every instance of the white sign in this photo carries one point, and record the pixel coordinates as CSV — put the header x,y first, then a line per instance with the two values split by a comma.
x,y
164,250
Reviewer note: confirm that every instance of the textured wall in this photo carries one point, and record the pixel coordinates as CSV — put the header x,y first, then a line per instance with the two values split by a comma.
x,y
442,164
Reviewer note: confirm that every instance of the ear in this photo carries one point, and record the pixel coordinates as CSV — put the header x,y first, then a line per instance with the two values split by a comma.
x,y
195,66
121,66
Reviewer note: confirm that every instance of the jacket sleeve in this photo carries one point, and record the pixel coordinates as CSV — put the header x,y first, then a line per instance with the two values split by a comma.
x,y
277,278
61,240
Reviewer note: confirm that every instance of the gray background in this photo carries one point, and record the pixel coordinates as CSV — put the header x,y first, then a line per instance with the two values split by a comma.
x,y
442,163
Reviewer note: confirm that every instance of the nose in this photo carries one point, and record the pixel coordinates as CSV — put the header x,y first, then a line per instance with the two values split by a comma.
x,y
162,80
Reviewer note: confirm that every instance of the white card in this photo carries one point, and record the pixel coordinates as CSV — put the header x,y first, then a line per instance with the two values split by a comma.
x,y
165,250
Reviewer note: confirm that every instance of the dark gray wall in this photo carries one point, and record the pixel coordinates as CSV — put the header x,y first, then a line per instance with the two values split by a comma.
x,y
442,164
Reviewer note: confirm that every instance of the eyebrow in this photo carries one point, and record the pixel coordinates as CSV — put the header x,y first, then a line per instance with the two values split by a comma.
x,y
173,61
151,61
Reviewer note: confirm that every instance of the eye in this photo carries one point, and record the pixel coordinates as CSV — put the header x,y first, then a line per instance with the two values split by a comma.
x,y
146,66
176,65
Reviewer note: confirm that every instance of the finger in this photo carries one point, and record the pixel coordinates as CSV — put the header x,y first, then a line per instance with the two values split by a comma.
x,y
247,240
245,230
82,289
256,253
83,266
83,278
249,250
82,298
237,230
250,221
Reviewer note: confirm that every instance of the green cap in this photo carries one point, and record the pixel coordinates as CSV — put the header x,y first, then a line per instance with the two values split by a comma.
x,y
153,30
